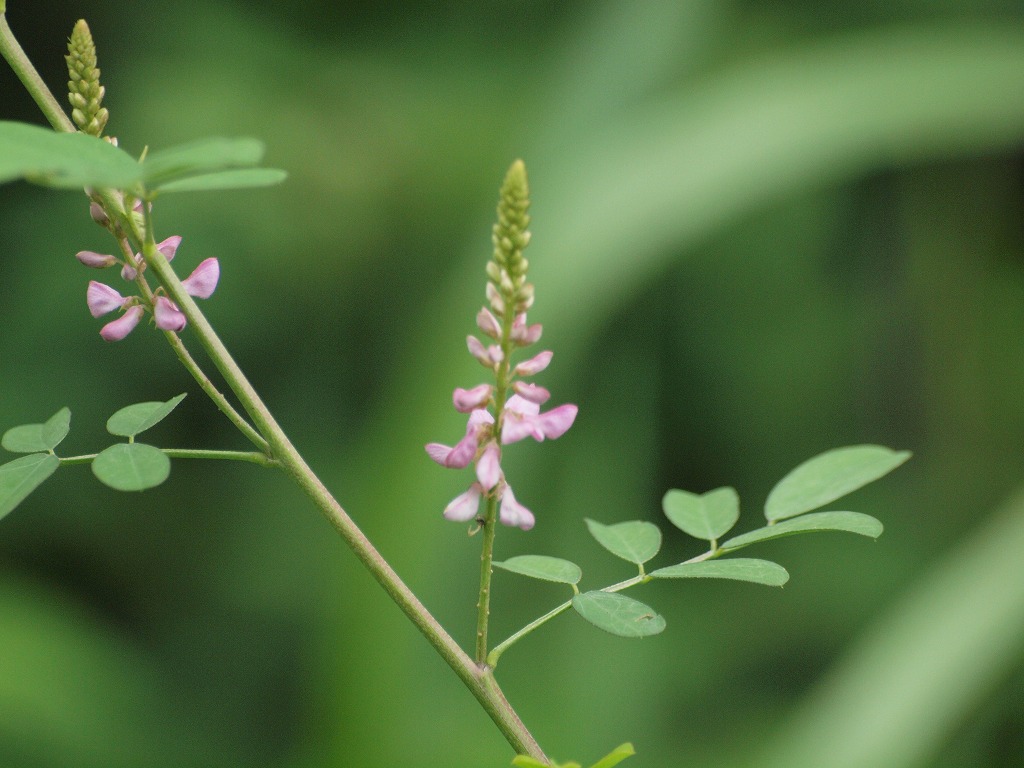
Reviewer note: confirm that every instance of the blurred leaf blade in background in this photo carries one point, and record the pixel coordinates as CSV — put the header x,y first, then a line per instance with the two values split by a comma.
x,y
719,190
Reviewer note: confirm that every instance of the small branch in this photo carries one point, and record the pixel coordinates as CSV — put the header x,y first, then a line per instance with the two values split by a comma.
x,y
189,453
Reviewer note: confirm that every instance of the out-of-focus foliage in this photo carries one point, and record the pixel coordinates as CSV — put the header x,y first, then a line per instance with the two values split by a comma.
x,y
761,230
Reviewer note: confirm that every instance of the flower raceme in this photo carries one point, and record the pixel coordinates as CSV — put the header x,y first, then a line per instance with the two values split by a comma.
x,y
520,417
102,299
516,404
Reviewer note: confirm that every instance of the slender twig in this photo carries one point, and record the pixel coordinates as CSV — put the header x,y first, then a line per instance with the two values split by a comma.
x,y
253,457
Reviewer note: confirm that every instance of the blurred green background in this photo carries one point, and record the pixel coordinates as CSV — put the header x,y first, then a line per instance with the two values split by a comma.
x,y
761,230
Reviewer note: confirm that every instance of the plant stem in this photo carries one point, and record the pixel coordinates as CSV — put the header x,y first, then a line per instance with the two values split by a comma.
x,y
475,676
15,56
189,453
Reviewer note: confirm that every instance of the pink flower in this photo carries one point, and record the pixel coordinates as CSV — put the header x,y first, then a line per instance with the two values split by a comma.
x,y
512,512
534,365
464,506
531,392
523,334
118,329
488,466
524,419
488,356
467,400
167,315
488,323
464,451
203,280
102,299
167,247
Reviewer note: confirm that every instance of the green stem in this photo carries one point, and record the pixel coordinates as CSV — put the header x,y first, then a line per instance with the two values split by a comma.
x,y
189,453
473,675
504,645
215,394
30,78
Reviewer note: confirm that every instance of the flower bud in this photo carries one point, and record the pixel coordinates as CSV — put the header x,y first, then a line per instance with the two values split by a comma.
x,y
96,260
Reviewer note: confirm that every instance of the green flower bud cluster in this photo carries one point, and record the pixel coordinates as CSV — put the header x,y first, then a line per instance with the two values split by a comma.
x,y
84,90
507,269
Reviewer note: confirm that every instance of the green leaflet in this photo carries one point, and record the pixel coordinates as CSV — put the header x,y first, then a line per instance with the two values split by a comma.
x,y
636,541
543,567
618,614
739,568
20,477
830,476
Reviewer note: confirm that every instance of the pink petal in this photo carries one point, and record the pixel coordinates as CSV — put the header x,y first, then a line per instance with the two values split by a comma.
x,y
557,421
203,280
169,246
513,513
518,427
467,400
531,392
128,273
102,299
488,323
534,365
96,260
464,506
167,315
438,452
494,297
118,329
488,466
521,406
522,334
463,452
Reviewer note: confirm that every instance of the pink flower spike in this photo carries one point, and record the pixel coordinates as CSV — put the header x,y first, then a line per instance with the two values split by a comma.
x,y
118,329
467,400
531,392
169,246
488,466
95,260
534,365
523,334
168,316
464,506
488,323
514,513
203,280
102,299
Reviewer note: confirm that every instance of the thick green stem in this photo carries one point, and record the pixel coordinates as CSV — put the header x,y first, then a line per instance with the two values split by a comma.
x,y
30,78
